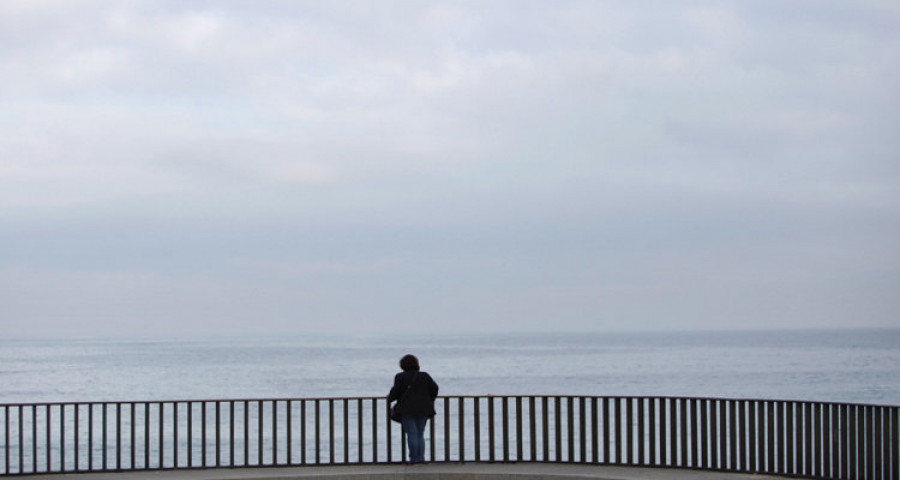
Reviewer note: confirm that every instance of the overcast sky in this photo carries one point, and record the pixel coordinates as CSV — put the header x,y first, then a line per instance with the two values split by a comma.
x,y
334,166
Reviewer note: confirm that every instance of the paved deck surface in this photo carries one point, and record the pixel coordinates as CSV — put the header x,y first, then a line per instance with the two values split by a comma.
x,y
436,471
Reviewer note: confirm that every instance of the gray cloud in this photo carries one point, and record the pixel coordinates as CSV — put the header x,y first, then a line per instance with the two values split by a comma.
x,y
424,165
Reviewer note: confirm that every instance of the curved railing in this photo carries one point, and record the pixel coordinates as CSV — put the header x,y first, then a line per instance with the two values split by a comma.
x,y
794,438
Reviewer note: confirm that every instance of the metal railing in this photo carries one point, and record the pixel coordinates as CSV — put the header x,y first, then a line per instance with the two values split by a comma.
x,y
794,438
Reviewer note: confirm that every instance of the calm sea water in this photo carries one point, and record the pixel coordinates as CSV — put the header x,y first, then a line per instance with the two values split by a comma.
x,y
861,366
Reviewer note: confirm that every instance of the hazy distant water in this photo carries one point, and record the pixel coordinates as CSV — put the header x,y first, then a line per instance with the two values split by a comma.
x,y
848,366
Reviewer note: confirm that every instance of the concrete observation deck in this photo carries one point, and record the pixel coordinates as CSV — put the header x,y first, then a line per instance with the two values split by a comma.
x,y
434,471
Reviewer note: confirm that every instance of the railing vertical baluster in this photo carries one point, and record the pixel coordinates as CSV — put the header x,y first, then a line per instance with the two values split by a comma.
x,y
520,440
162,415
190,434
722,435
651,429
694,430
34,439
146,434
49,436
218,433
132,426
822,441
752,442
707,429
742,432
709,434
732,436
174,434
770,417
104,422
6,436
490,400
606,431
775,424
557,415
231,435
119,436
22,439
674,434
617,426
595,448
642,431
780,440
375,430
809,448
75,438
62,437
331,431
203,441
717,434
570,424
346,406
789,429
663,444
684,424
477,427
629,430
317,419
246,428
883,459
303,430
582,430
895,442
748,438
545,429
505,425
462,432
359,429
6,447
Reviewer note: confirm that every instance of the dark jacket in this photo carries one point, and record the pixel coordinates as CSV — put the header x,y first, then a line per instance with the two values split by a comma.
x,y
419,399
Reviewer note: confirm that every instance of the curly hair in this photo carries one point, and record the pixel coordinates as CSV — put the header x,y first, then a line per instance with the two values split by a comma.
x,y
409,363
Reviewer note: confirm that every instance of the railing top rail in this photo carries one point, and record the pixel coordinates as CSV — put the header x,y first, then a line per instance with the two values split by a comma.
x,y
467,396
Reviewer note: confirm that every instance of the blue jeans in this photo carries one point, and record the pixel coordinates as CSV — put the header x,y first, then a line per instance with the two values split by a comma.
x,y
414,425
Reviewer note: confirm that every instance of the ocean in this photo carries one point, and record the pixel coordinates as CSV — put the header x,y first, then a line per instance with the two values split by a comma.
x,y
856,366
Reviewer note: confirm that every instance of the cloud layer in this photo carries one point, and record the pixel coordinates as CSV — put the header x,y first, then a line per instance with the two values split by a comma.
x,y
272,166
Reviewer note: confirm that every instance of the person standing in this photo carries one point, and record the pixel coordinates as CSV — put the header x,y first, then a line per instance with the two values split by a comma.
x,y
415,392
